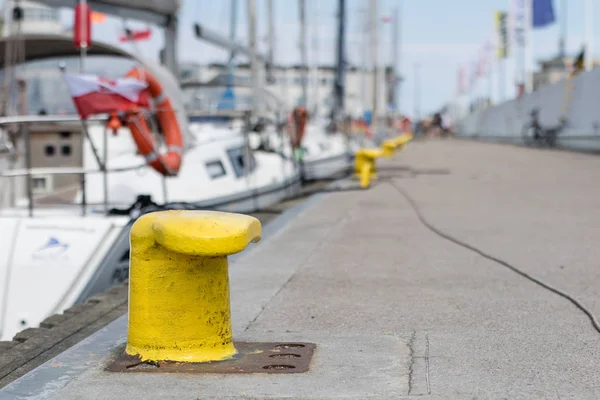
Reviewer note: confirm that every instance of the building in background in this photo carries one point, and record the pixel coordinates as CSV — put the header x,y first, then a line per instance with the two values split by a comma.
x,y
45,87
37,18
289,80
553,70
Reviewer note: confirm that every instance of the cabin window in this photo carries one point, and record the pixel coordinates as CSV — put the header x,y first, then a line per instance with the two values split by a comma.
x,y
238,160
65,134
215,169
49,150
66,150
38,184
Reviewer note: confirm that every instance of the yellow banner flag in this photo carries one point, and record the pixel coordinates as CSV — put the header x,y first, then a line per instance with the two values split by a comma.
x,y
500,20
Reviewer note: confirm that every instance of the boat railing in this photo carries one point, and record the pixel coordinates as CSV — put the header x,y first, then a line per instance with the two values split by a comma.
x,y
218,108
217,113
242,114
257,100
12,173
20,124
32,119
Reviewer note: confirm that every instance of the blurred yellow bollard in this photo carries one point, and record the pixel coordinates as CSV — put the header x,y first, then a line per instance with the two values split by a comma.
x,y
364,165
365,175
403,139
179,307
390,146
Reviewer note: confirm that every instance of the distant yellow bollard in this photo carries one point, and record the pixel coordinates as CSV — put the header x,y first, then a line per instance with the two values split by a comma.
x,y
179,307
365,175
364,165
403,139
390,146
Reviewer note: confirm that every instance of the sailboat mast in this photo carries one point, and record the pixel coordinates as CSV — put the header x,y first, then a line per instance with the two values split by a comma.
x,y
341,67
365,60
395,62
83,28
271,55
373,11
303,66
232,34
316,56
252,48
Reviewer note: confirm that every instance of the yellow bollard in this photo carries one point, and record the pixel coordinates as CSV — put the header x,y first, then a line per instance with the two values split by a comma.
x,y
365,175
389,147
403,139
364,165
179,308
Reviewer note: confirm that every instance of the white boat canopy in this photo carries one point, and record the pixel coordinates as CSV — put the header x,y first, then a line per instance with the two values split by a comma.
x,y
38,47
43,46
153,11
160,12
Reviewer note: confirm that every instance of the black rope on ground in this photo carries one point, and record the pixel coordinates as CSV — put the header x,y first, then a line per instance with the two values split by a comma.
x,y
324,190
516,270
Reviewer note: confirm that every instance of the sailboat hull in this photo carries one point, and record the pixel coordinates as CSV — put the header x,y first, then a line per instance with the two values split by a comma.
x,y
51,263
327,167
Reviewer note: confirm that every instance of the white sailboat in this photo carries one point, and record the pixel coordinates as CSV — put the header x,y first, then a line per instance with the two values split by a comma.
x,y
325,153
65,233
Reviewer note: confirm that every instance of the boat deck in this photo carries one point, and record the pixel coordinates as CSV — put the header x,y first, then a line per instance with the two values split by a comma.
x,y
422,286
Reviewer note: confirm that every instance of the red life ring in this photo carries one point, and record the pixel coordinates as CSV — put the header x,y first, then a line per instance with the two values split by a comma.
x,y
168,163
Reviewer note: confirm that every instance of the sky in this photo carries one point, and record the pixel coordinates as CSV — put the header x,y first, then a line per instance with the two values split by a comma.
x,y
437,38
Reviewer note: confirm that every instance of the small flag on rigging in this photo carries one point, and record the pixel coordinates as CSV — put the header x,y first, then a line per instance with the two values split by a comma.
x,y
135,35
96,95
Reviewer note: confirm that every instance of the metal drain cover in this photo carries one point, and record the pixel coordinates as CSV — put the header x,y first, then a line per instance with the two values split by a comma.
x,y
252,358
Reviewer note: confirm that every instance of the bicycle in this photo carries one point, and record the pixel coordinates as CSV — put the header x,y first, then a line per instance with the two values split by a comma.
x,y
534,133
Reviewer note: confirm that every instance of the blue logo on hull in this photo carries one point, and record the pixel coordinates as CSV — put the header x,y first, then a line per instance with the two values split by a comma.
x,y
51,250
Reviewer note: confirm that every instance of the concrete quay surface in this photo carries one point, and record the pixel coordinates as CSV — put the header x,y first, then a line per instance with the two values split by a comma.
x,y
396,310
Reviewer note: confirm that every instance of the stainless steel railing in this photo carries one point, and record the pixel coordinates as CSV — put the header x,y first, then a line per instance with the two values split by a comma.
x,y
21,123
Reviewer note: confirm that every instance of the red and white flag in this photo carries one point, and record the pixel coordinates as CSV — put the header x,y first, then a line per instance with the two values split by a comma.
x,y
96,95
135,35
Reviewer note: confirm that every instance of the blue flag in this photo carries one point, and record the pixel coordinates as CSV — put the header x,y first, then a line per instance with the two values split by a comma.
x,y
543,13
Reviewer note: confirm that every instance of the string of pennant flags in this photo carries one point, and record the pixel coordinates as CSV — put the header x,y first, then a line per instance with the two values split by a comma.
x,y
480,67
509,32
